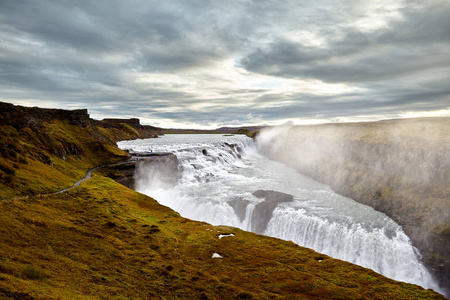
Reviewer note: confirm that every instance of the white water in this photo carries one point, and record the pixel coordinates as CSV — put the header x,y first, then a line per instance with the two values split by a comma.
x,y
214,173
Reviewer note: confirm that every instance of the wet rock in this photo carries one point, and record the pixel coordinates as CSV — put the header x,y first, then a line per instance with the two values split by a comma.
x,y
239,206
273,196
122,173
162,170
263,211
197,166
162,166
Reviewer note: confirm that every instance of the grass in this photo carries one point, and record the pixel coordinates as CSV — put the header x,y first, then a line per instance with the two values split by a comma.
x,y
32,272
42,161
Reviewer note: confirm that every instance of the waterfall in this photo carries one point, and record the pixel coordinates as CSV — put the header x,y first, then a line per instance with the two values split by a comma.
x,y
386,251
218,183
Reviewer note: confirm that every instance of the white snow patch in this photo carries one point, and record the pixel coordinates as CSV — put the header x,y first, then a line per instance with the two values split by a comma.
x,y
217,255
225,235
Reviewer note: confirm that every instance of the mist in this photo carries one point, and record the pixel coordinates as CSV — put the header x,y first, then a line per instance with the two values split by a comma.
x,y
399,167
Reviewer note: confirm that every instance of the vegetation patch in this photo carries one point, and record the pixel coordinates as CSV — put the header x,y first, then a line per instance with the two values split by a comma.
x,y
31,272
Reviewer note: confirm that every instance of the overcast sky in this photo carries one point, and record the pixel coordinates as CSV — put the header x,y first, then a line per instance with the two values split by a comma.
x,y
193,63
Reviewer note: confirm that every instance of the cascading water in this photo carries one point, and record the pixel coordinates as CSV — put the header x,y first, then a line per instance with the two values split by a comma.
x,y
217,182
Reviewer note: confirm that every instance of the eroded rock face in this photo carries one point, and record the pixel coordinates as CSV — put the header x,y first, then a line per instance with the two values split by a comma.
x,y
239,205
122,173
161,166
133,122
263,211
33,117
157,169
145,131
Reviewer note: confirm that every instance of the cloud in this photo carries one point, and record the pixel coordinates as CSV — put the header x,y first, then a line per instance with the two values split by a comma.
x,y
415,44
207,63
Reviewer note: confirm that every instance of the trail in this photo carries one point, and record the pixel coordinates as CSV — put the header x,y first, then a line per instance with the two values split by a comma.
x,y
87,177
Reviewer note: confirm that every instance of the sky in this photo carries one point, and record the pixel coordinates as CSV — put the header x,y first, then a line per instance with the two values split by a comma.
x,y
207,64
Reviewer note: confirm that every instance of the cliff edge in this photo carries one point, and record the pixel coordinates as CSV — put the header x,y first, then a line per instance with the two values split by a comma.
x,y
399,167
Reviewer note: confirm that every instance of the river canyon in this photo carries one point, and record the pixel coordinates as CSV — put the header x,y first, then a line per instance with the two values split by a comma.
x,y
231,180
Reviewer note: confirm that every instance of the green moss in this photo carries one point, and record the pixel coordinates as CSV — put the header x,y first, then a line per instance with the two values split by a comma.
x,y
127,128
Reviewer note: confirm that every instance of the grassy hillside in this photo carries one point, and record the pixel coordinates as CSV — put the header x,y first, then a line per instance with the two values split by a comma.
x,y
42,151
102,240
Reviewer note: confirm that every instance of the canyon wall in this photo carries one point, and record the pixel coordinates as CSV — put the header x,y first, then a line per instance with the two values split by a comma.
x,y
399,167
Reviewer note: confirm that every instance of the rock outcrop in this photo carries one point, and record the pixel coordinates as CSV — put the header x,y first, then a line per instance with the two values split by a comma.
x,y
145,131
34,117
163,166
133,122
263,211
61,144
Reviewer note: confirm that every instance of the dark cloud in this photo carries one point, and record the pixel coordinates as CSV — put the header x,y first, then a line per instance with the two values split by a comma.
x,y
418,42
210,62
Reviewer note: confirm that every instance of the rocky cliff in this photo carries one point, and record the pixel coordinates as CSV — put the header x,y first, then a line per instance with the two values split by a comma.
x,y
34,117
399,167
145,131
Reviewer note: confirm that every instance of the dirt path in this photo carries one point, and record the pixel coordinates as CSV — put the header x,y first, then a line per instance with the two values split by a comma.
x,y
87,177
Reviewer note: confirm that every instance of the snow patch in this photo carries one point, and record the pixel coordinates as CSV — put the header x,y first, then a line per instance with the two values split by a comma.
x,y
225,235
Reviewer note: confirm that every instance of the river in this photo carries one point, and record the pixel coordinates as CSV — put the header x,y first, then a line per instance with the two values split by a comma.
x,y
217,180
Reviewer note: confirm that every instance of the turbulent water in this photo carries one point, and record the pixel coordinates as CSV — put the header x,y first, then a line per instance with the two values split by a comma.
x,y
219,174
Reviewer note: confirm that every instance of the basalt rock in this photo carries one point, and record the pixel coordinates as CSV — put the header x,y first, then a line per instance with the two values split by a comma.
x,y
239,206
65,149
164,166
145,131
263,211
33,117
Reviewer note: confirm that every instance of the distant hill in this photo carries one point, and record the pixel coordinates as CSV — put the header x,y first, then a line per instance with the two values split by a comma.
x,y
223,130
145,131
